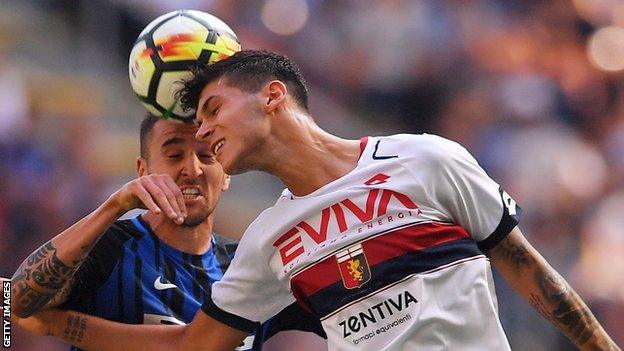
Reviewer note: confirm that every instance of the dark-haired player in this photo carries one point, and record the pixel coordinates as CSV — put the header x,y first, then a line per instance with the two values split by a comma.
x,y
155,268
388,240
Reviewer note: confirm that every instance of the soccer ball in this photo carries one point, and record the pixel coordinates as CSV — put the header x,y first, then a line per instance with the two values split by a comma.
x,y
166,49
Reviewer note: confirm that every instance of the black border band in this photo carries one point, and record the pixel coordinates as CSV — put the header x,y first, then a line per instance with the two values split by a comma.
x,y
227,318
507,223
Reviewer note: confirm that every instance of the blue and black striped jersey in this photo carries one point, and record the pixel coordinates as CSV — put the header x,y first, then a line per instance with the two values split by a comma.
x,y
131,276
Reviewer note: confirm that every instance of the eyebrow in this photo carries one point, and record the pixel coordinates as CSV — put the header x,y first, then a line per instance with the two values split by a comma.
x,y
204,107
172,141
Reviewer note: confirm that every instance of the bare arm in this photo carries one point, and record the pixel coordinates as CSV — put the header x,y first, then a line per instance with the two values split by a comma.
x,y
45,272
93,333
531,276
48,272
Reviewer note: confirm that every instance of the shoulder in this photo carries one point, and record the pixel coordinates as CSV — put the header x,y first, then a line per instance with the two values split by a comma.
x,y
123,230
99,264
109,248
265,218
224,244
110,245
255,244
427,149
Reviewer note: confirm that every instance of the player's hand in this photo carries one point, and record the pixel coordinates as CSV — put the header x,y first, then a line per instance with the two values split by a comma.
x,y
154,192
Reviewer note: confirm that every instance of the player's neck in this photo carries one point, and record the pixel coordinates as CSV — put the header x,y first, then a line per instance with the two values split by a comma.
x,y
192,240
306,157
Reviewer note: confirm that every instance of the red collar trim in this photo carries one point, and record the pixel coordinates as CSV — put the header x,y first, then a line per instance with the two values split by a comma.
x,y
363,142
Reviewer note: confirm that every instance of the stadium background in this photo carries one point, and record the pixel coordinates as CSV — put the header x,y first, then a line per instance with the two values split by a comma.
x,y
533,88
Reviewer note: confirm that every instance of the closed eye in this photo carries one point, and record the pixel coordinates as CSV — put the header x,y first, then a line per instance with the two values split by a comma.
x,y
207,157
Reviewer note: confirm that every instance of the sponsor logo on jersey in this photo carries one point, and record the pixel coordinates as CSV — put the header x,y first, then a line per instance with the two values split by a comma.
x,y
159,285
247,344
380,178
511,205
361,320
155,319
290,244
353,266
381,157
150,318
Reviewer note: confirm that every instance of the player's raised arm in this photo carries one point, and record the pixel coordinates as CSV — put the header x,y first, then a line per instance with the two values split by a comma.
x,y
531,276
48,271
93,333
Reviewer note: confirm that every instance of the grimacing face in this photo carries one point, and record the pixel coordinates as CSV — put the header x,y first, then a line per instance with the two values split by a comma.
x,y
173,150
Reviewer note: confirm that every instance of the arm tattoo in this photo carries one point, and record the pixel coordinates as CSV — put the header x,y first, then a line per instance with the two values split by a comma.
x,y
25,270
563,307
52,272
74,329
512,252
31,300
40,277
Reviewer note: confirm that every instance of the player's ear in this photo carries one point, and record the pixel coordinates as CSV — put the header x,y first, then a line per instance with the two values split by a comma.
x,y
226,182
141,165
275,94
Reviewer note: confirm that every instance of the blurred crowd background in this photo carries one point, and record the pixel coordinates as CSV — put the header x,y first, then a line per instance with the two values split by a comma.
x,y
534,89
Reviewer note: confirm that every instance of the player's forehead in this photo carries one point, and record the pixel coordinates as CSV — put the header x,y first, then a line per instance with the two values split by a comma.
x,y
172,133
218,88
217,85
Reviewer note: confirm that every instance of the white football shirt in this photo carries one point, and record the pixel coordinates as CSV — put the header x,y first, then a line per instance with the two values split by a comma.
x,y
389,256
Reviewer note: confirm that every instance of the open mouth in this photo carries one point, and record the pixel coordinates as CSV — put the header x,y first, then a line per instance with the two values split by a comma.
x,y
191,193
218,146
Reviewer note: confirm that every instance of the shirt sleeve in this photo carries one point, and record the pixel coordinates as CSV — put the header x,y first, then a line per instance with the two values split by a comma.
x,y
465,192
293,317
95,270
249,292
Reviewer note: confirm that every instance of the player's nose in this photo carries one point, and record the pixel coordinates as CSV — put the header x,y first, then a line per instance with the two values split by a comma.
x,y
204,132
193,167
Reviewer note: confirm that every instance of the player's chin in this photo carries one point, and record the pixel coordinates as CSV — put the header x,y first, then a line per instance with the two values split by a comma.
x,y
195,218
200,204
234,164
226,164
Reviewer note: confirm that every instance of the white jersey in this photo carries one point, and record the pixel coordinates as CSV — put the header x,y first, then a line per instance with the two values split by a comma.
x,y
389,256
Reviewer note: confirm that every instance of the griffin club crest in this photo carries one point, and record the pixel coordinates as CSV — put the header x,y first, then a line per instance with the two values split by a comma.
x,y
353,267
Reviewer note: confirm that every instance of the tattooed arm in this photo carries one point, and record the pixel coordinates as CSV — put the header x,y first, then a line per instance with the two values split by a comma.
x,y
94,333
46,275
531,276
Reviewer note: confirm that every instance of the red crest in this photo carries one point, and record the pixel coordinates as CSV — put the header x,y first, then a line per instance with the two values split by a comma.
x,y
353,266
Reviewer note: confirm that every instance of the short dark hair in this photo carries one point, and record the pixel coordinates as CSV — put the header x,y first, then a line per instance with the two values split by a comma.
x,y
247,70
147,125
